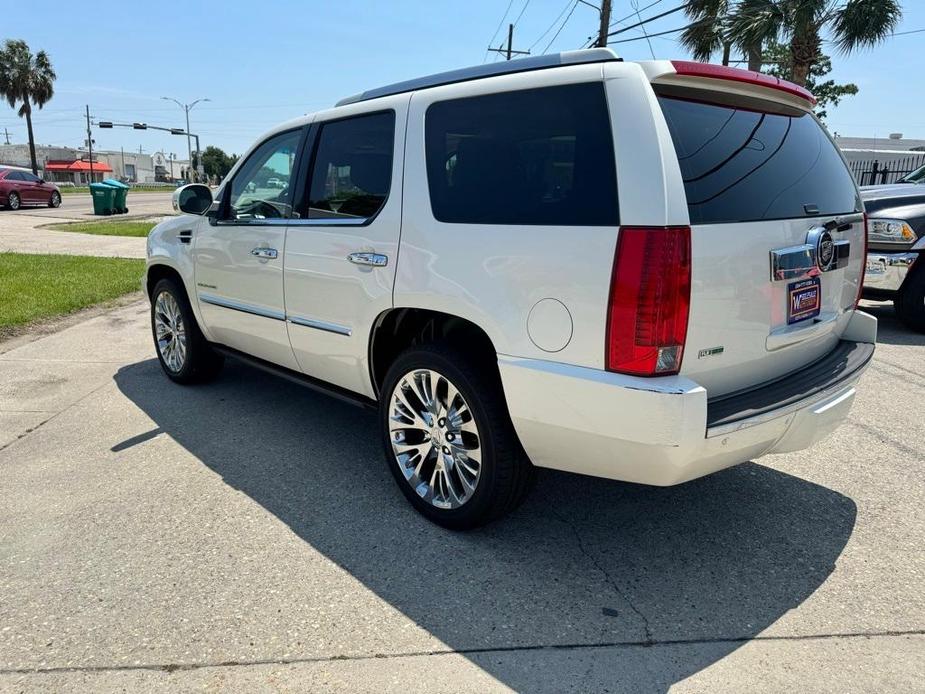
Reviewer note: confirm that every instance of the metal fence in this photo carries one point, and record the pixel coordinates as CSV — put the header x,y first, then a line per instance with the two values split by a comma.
x,y
874,172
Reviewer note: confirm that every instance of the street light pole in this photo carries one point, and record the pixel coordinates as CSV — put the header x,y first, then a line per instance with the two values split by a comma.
x,y
186,109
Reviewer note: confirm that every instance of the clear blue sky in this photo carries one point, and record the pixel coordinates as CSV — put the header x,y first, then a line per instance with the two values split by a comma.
x,y
261,63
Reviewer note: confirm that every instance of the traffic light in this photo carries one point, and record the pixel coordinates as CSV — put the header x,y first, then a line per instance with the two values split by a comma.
x,y
140,126
105,124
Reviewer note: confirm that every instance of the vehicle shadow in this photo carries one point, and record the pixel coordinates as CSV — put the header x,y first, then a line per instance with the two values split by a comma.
x,y
693,571
891,330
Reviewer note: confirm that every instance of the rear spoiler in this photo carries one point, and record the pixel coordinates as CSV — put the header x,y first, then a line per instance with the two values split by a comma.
x,y
687,73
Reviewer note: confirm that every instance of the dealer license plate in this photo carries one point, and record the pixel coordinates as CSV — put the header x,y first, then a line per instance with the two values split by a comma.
x,y
805,299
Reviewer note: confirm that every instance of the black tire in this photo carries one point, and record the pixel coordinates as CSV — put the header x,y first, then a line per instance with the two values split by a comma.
x,y
55,199
910,302
201,363
13,201
506,474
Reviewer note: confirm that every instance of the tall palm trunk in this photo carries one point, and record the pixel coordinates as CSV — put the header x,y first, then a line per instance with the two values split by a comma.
x,y
804,52
28,110
727,49
754,58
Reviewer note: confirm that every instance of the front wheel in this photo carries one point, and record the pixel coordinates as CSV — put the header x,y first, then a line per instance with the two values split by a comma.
x,y
448,438
182,349
55,199
910,304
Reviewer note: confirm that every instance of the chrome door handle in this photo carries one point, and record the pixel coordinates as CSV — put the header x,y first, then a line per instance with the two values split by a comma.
x,y
269,253
374,259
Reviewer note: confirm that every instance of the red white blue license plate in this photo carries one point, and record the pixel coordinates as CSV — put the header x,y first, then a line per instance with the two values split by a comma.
x,y
804,299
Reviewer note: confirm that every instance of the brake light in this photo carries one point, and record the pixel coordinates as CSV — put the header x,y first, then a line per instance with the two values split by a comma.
x,y
733,74
650,292
863,264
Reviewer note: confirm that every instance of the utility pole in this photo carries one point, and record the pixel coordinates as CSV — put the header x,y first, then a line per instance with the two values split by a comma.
x,y
90,143
7,134
508,52
605,24
122,149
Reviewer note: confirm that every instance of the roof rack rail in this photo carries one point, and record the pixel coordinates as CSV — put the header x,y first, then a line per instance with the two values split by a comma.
x,y
539,62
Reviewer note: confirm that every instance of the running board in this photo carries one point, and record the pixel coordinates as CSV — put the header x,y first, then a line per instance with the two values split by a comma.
x,y
315,384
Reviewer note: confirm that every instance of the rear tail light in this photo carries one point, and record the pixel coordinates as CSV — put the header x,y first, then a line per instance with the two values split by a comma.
x,y
650,292
863,264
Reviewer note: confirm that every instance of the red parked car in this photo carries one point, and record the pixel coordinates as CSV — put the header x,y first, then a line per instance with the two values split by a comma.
x,y
18,188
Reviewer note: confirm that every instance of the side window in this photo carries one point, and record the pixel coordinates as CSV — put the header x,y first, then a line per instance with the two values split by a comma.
x,y
30,178
260,189
537,156
15,176
352,169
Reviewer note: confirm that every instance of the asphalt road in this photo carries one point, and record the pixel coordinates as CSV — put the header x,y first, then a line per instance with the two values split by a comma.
x,y
80,206
247,536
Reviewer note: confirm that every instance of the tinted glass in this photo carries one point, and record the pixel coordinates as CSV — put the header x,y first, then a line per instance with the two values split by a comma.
x,y
30,178
352,168
538,156
743,165
260,189
15,176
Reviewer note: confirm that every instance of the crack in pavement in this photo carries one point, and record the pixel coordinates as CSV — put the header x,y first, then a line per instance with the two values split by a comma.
x,y
177,667
607,577
24,434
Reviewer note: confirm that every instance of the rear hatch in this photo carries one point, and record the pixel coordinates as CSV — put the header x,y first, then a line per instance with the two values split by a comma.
x,y
777,231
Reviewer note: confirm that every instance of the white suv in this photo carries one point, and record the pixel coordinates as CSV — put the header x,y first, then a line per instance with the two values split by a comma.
x,y
640,271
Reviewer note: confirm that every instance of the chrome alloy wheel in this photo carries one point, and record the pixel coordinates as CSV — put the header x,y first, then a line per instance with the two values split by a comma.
x,y
434,438
170,332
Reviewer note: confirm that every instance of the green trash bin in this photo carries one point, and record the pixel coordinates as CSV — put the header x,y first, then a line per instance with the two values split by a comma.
x,y
119,204
103,198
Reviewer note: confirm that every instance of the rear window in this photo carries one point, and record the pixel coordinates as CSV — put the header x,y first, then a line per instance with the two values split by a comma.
x,y
742,165
536,156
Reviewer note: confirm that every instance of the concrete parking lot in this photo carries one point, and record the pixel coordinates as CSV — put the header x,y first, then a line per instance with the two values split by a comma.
x,y
247,536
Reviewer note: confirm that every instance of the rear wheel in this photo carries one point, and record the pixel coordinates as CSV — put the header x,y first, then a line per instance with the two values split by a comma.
x,y
13,201
182,349
55,199
910,304
448,438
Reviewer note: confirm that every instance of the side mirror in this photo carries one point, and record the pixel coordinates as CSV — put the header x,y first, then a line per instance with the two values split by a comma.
x,y
194,198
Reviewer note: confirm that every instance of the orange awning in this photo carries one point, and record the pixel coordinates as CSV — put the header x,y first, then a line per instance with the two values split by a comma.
x,y
78,165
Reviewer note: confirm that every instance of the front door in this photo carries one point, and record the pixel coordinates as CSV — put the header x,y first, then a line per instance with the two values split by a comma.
x,y
238,255
342,251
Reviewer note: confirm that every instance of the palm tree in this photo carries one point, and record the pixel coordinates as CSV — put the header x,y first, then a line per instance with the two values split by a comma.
x,y
28,79
852,25
710,32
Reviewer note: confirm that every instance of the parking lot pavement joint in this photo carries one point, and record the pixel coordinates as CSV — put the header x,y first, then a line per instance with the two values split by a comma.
x,y
178,667
600,569
28,431
888,440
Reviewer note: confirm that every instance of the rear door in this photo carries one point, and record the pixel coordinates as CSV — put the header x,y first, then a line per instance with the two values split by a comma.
x,y
776,235
342,250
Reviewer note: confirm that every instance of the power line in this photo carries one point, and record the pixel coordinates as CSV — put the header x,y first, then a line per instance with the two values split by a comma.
x,y
630,16
650,19
549,28
911,31
498,28
635,5
660,33
561,27
522,10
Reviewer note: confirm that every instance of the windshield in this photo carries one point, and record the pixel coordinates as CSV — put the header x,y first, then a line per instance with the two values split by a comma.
x,y
749,165
917,176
